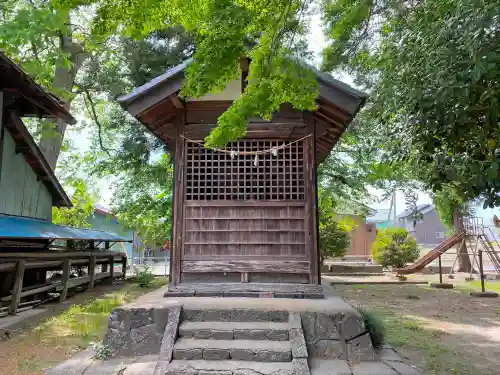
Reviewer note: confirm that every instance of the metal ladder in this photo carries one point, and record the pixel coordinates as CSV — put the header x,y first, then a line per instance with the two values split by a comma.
x,y
474,227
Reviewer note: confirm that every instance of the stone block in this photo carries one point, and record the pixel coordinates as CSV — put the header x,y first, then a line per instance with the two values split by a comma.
x,y
266,294
218,334
208,293
329,367
145,340
141,317
118,341
351,326
188,354
178,294
301,366
160,317
242,354
141,367
215,354
192,315
294,295
170,334
331,349
216,315
273,356
249,315
202,334
372,368
108,367
250,334
278,316
119,319
75,365
241,294
402,368
278,335
387,354
294,320
214,372
361,349
299,348
313,295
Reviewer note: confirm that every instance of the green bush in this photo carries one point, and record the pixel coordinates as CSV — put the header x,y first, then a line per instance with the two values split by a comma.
x,y
334,239
145,278
375,327
394,247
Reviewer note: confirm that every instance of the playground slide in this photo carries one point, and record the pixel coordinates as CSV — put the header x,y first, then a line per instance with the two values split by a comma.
x,y
432,255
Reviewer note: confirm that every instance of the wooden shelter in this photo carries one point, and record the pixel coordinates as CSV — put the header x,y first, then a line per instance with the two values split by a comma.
x,y
32,249
245,214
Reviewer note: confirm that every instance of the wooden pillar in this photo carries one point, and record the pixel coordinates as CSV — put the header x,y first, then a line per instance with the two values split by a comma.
x,y
111,269
105,265
65,279
178,210
311,199
18,286
124,267
92,262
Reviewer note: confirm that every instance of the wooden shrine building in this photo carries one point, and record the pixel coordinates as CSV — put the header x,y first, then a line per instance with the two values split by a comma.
x,y
246,214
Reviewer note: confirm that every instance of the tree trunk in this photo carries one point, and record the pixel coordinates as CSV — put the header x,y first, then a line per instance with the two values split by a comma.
x,y
64,78
464,263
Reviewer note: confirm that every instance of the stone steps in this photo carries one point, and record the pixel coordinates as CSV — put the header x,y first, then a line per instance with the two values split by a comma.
x,y
235,330
230,368
239,350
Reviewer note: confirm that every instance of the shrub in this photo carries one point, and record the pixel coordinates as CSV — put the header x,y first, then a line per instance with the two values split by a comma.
x,y
145,277
334,239
375,327
394,247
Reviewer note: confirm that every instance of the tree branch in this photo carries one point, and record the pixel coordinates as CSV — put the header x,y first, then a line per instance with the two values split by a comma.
x,y
90,103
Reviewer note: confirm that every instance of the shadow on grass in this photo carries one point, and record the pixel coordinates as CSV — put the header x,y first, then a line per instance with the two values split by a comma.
x,y
443,332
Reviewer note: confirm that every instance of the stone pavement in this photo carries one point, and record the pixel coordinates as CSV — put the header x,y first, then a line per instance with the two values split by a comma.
x,y
389,363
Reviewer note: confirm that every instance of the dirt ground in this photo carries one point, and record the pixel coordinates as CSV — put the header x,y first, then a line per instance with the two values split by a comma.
x,y
442,332
32,350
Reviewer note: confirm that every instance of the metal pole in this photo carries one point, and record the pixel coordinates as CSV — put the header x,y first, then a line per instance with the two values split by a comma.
x,y
440,270
481,269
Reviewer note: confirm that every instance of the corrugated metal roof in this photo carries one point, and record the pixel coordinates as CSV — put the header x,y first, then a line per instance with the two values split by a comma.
x,y
20,227
423,208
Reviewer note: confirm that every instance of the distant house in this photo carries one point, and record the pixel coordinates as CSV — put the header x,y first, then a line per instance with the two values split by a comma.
x,y
103,219
423,224
380,218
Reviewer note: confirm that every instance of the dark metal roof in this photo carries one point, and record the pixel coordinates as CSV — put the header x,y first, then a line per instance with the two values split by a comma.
x,y
29,98
179,69
22,228
419,209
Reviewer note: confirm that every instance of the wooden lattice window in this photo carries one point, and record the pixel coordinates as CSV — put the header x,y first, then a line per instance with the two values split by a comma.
x,y
215,175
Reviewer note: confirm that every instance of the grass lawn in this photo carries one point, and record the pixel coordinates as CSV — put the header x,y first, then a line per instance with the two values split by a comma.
x,y
68,332
442,332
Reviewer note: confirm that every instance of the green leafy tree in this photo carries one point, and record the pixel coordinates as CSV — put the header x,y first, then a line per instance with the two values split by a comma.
x,y
334,238
431,68
83,207
270,33
394,247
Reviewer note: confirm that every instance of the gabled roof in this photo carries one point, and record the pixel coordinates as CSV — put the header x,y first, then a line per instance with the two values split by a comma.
x,y
27,97
421,209
157,106
23,98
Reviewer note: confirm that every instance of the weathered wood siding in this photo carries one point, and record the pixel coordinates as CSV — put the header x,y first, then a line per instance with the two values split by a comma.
x,y
20,191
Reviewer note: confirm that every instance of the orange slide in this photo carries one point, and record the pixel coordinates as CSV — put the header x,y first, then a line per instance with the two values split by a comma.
x,y
432,255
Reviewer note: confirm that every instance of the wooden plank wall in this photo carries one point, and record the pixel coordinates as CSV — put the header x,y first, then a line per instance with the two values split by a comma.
x,y
20,191
245,237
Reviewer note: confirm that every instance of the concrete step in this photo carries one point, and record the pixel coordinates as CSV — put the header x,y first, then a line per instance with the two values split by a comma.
x,y
235,330
178,367
238,350
232,314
